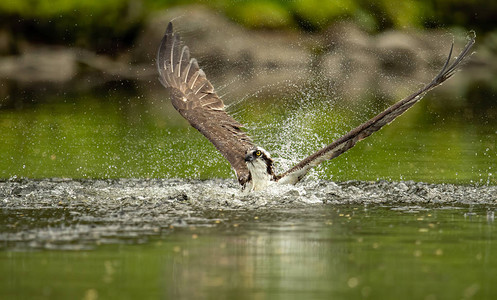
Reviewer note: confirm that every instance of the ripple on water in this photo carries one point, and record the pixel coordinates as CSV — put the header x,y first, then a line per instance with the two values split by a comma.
x,y
76,214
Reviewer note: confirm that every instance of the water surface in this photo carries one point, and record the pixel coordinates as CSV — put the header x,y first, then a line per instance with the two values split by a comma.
x,y
124,135
318,252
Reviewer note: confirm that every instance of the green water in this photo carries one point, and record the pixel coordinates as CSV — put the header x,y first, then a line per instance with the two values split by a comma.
x,y
126,135
321,252
315,253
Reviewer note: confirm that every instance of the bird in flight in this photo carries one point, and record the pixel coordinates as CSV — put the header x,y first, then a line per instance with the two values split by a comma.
x,y
194,97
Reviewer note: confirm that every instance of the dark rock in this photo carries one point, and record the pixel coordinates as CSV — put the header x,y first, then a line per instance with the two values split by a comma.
x,y
343,59
40,65
228,53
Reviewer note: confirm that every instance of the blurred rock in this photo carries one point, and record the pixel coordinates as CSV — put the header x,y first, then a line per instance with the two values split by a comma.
x,y
343,59
349,61
228,53
391,64
40,65
5,42
70,68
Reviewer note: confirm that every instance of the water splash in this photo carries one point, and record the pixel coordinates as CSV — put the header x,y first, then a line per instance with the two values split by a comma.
x,y
77,214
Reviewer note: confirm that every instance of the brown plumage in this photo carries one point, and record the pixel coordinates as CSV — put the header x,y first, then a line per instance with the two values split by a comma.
x,y
195,99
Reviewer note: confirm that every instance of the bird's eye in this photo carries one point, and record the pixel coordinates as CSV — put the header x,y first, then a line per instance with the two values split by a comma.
x,y
258,153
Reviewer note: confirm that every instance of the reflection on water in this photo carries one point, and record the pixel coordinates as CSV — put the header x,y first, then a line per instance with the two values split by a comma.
x,y
132,136
345,252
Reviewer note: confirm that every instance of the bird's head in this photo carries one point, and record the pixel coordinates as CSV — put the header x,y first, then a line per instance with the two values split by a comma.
x,y
259,163
257,153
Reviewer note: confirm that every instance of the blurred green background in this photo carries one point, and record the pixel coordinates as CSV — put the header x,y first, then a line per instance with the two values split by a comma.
x,y
110,25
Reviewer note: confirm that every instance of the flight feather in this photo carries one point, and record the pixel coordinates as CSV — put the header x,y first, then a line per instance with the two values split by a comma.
x,y
196,100
364,130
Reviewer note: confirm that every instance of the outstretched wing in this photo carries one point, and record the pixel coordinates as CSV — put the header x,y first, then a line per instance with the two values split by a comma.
x,y
348,141
195,99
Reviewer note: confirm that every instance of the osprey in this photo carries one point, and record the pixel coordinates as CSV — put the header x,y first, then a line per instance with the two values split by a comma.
x,y
195,99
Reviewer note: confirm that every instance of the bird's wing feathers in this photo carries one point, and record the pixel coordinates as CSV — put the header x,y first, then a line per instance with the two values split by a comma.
x,y
350,139
195,99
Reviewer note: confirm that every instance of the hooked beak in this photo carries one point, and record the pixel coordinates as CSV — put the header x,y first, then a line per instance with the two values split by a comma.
x,y
249,157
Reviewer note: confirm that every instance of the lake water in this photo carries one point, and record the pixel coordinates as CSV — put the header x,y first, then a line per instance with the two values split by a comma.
x,y
122,135
324,252
375,238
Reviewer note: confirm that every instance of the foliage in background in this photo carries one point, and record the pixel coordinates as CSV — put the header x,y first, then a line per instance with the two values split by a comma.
x,y
103,25
109,25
